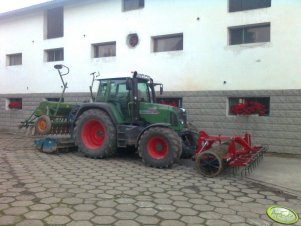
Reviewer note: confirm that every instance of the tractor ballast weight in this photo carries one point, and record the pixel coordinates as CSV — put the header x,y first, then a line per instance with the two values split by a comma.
x,y
52,117
214,153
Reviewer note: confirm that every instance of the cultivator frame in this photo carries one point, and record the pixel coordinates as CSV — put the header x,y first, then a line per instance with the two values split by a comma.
x,y
214,153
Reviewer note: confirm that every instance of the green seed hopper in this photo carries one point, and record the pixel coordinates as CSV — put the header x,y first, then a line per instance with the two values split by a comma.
x,y
52,117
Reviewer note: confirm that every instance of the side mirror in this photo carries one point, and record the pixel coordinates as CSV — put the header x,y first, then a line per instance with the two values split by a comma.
x,y
58,66
129,84
161,89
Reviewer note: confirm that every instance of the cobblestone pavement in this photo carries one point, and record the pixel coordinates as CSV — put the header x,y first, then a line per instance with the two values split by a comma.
x,y
69,189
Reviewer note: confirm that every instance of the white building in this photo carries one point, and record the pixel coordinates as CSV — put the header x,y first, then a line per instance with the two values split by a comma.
x,y
212,54
214,48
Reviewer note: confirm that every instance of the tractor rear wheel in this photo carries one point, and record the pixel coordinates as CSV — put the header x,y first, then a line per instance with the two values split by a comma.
x,y
95,134
43,125
159,147
210,163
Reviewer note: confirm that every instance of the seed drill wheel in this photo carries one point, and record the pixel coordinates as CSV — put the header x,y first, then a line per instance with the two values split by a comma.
x,y
43,125
159,147
95,134
210,163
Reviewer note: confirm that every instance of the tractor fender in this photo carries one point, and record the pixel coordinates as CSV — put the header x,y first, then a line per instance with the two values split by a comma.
x,y
101,106
165,125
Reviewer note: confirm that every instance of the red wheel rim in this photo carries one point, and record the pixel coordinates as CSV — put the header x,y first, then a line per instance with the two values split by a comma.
x,y
157,147
93,134
42,124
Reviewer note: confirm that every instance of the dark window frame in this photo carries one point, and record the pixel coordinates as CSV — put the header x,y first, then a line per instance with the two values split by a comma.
x,y
126,5
54,99
157,39
96,49
266,101
58,56
54,21
243,32
243,5
12,59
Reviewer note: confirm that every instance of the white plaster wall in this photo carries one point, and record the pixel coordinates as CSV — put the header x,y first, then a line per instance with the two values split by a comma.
x,y
205,63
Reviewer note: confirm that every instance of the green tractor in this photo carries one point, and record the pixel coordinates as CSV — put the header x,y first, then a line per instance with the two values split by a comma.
x,y
124,113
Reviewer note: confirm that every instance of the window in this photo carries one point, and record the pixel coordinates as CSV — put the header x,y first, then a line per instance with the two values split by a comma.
x,y
239,5
171,101
249,34
54,99
54,55
106,49
14,59
132,4
55,23
168,43
14,103
249,106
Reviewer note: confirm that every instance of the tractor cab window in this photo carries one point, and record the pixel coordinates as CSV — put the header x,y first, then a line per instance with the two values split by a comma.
x,y
143,92
102,90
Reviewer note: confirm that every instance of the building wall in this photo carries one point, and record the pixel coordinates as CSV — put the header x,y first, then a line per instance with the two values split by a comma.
x,y
208,111
206,61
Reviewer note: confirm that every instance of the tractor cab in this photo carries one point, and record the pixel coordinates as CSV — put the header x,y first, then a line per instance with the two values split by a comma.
x,y
129,95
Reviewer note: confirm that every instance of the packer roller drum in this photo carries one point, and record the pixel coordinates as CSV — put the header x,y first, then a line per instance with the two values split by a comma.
x,y
210,163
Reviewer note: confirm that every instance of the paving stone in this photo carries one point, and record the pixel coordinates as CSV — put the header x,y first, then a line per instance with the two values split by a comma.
x,y
146,211
233,219
126,207
38,215
224,211
22,203
40,207
9,220
103,220
186,211
57,220
192,220
30,223
79,223
126,215
203,207
104,211
217,222
62,211
182,204
165,207
126,223
16,211
210,215
147,220
81,215
172,223
72,201
169,215
5,200
85,207
107,203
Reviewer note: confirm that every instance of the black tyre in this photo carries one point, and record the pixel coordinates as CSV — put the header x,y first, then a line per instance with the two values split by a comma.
x,y
210,163
95,134
43,125
159,147
189,144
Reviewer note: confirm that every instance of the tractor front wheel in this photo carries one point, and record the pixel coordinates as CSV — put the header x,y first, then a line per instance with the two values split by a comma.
x,y
159,147
95,134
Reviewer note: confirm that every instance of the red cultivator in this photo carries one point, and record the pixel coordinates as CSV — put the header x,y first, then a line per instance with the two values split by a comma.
x,y
214,153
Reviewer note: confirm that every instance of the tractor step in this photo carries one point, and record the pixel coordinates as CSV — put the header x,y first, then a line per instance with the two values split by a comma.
x,y
54,144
